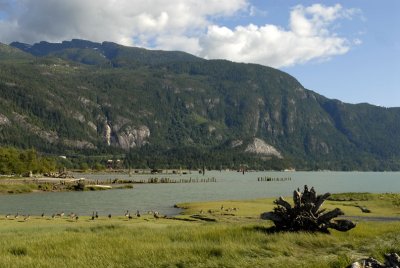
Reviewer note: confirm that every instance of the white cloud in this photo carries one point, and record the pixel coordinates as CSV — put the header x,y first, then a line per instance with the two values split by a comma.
x,y
111,20
188,25
308,38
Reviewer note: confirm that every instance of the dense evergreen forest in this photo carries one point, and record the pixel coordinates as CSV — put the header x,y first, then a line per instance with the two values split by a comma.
x,y
97,101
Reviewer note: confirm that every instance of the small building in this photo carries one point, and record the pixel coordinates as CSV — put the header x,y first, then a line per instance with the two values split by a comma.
x,y
114,164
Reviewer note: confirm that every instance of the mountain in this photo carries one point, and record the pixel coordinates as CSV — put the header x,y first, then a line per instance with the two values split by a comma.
x,y
106,53
163,108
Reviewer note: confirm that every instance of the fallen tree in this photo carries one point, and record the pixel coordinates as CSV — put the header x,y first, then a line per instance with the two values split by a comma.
x,y
306,214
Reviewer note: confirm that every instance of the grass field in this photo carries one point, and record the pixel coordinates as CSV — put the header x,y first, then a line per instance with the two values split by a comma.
x,y
23,187
17,188
237,238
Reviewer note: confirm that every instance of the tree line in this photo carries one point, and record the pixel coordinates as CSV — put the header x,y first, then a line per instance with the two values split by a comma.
x,y
23,162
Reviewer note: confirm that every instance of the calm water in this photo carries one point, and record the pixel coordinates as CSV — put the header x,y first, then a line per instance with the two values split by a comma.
x,y
162,197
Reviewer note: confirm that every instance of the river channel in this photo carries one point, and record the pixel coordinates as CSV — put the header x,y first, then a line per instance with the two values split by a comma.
x,y
229,185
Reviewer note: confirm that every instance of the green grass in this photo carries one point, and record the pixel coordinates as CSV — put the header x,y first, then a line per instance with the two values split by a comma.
x,y
17,188
381,205
170,243
237,239
22,187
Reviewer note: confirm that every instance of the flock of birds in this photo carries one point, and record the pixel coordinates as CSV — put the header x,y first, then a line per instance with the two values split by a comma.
x,y
95,215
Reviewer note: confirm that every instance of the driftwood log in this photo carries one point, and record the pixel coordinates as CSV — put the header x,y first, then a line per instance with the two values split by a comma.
x,y
392,260
306,214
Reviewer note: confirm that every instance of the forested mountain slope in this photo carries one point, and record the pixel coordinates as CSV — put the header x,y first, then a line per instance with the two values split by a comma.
x,y
96,98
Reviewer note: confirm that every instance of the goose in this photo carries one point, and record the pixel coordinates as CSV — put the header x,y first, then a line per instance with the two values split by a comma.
x,y
42,215
138,214
130,217
127,213
93,217
97,215
60,214
8,216
155,215
27,217
16,215
109,216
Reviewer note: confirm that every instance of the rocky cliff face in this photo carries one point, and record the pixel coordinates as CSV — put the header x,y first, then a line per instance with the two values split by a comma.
x,y
107,134
258,146
131,137
125,135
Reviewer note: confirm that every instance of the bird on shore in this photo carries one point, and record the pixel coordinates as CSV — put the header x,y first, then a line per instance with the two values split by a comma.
x,y
127,213
129,216
60,214
109,216
156,215
8,216
97,215
27,217
42,215
16,215
76,217
93,217
53,216
138,214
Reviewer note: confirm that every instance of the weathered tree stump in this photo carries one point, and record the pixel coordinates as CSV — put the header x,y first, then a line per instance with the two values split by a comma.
x,y
306,214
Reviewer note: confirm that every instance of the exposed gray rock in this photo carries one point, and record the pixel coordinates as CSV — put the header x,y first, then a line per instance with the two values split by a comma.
x,y
130,137
107,134
92,125
258,146
211,129
119,123
4,120
236,143
79,144
88,103
78,116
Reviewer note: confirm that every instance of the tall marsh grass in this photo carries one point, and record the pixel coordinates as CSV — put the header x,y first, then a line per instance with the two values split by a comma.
x,y
168,243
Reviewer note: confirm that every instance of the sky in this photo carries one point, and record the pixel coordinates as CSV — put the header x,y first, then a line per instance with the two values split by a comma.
x,y
346,50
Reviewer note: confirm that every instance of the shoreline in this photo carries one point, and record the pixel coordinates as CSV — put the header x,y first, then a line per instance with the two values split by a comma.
x,y
47,184
383,209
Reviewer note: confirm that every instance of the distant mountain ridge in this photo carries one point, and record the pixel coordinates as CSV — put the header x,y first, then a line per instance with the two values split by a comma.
x,y
81,96
93,53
